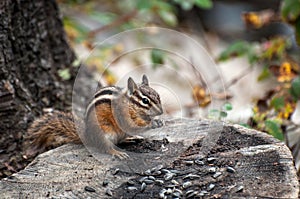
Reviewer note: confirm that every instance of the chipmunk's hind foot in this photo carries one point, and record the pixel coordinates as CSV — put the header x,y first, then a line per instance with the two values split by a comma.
x,y
119,154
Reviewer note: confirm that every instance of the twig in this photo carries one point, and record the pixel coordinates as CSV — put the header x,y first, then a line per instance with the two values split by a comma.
x,y
236,79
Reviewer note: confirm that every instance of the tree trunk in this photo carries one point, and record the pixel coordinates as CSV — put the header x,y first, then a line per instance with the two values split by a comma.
x,y
33,47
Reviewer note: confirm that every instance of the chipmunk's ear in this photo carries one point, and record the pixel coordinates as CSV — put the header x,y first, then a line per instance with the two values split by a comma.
x,y
145,80
131,85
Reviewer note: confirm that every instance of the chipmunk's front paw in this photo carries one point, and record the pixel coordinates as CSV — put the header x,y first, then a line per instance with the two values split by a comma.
x,y
119,154
156,123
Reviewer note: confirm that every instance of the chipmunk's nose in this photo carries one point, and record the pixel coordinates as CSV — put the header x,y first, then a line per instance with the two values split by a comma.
x,y
160,110
157,110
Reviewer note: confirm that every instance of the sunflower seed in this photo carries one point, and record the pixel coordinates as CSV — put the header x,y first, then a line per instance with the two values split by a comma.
x,y
170,185
141,180
211,159
89,189
130,182
157,168
147,181
191,176
169,191
159,182
114,172
199,162
177,190
192,194
164,171
212,169
156,173
169,176
105,182
175,171
176,194
187,184
189,162
202,193
239,188
210,187
148,172
175,182
230,169
217,174
162,193
143,186
131,188
188,192
108,192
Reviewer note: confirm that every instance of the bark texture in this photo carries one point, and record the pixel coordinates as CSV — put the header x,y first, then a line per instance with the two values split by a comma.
x,y
33,47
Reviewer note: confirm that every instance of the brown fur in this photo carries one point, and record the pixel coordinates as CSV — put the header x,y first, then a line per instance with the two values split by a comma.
x,y
137,120
52,130
107,122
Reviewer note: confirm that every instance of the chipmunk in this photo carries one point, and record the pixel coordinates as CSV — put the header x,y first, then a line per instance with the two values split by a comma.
x,y
111,115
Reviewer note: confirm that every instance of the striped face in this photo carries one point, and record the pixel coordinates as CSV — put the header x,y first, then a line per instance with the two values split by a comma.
x,y
146,100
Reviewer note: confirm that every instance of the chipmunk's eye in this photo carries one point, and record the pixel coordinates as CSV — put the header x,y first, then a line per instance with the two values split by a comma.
x,y
145,100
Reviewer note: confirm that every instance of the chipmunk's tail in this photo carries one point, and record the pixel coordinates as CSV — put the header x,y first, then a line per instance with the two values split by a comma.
x,y
50,131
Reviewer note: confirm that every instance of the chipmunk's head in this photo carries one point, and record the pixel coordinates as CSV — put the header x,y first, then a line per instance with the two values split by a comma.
x,y
145,100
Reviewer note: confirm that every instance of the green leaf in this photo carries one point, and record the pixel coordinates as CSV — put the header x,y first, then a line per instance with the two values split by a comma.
x,y
265,73
76,63
157,56
168,17
144,5
227,106
236,49
274,129
64,74
252,56
185,4
295,88
277,103
246,125
290,10
205,4
102,17
223,114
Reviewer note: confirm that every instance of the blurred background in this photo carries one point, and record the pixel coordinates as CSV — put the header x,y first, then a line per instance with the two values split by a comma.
x,y
246,70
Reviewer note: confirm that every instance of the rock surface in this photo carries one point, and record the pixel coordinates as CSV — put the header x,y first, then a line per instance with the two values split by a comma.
x,y
185,159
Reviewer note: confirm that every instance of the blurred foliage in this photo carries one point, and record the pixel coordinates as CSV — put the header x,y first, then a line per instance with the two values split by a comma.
x,y
118,16
201,96
160,12
157,57
239,48
290,12
273,112
219,114
64,74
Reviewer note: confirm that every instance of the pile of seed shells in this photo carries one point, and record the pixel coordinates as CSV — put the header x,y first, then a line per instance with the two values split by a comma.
x,y
195,178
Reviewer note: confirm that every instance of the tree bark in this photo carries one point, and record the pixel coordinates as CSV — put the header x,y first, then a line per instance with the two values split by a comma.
x,y
33,47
